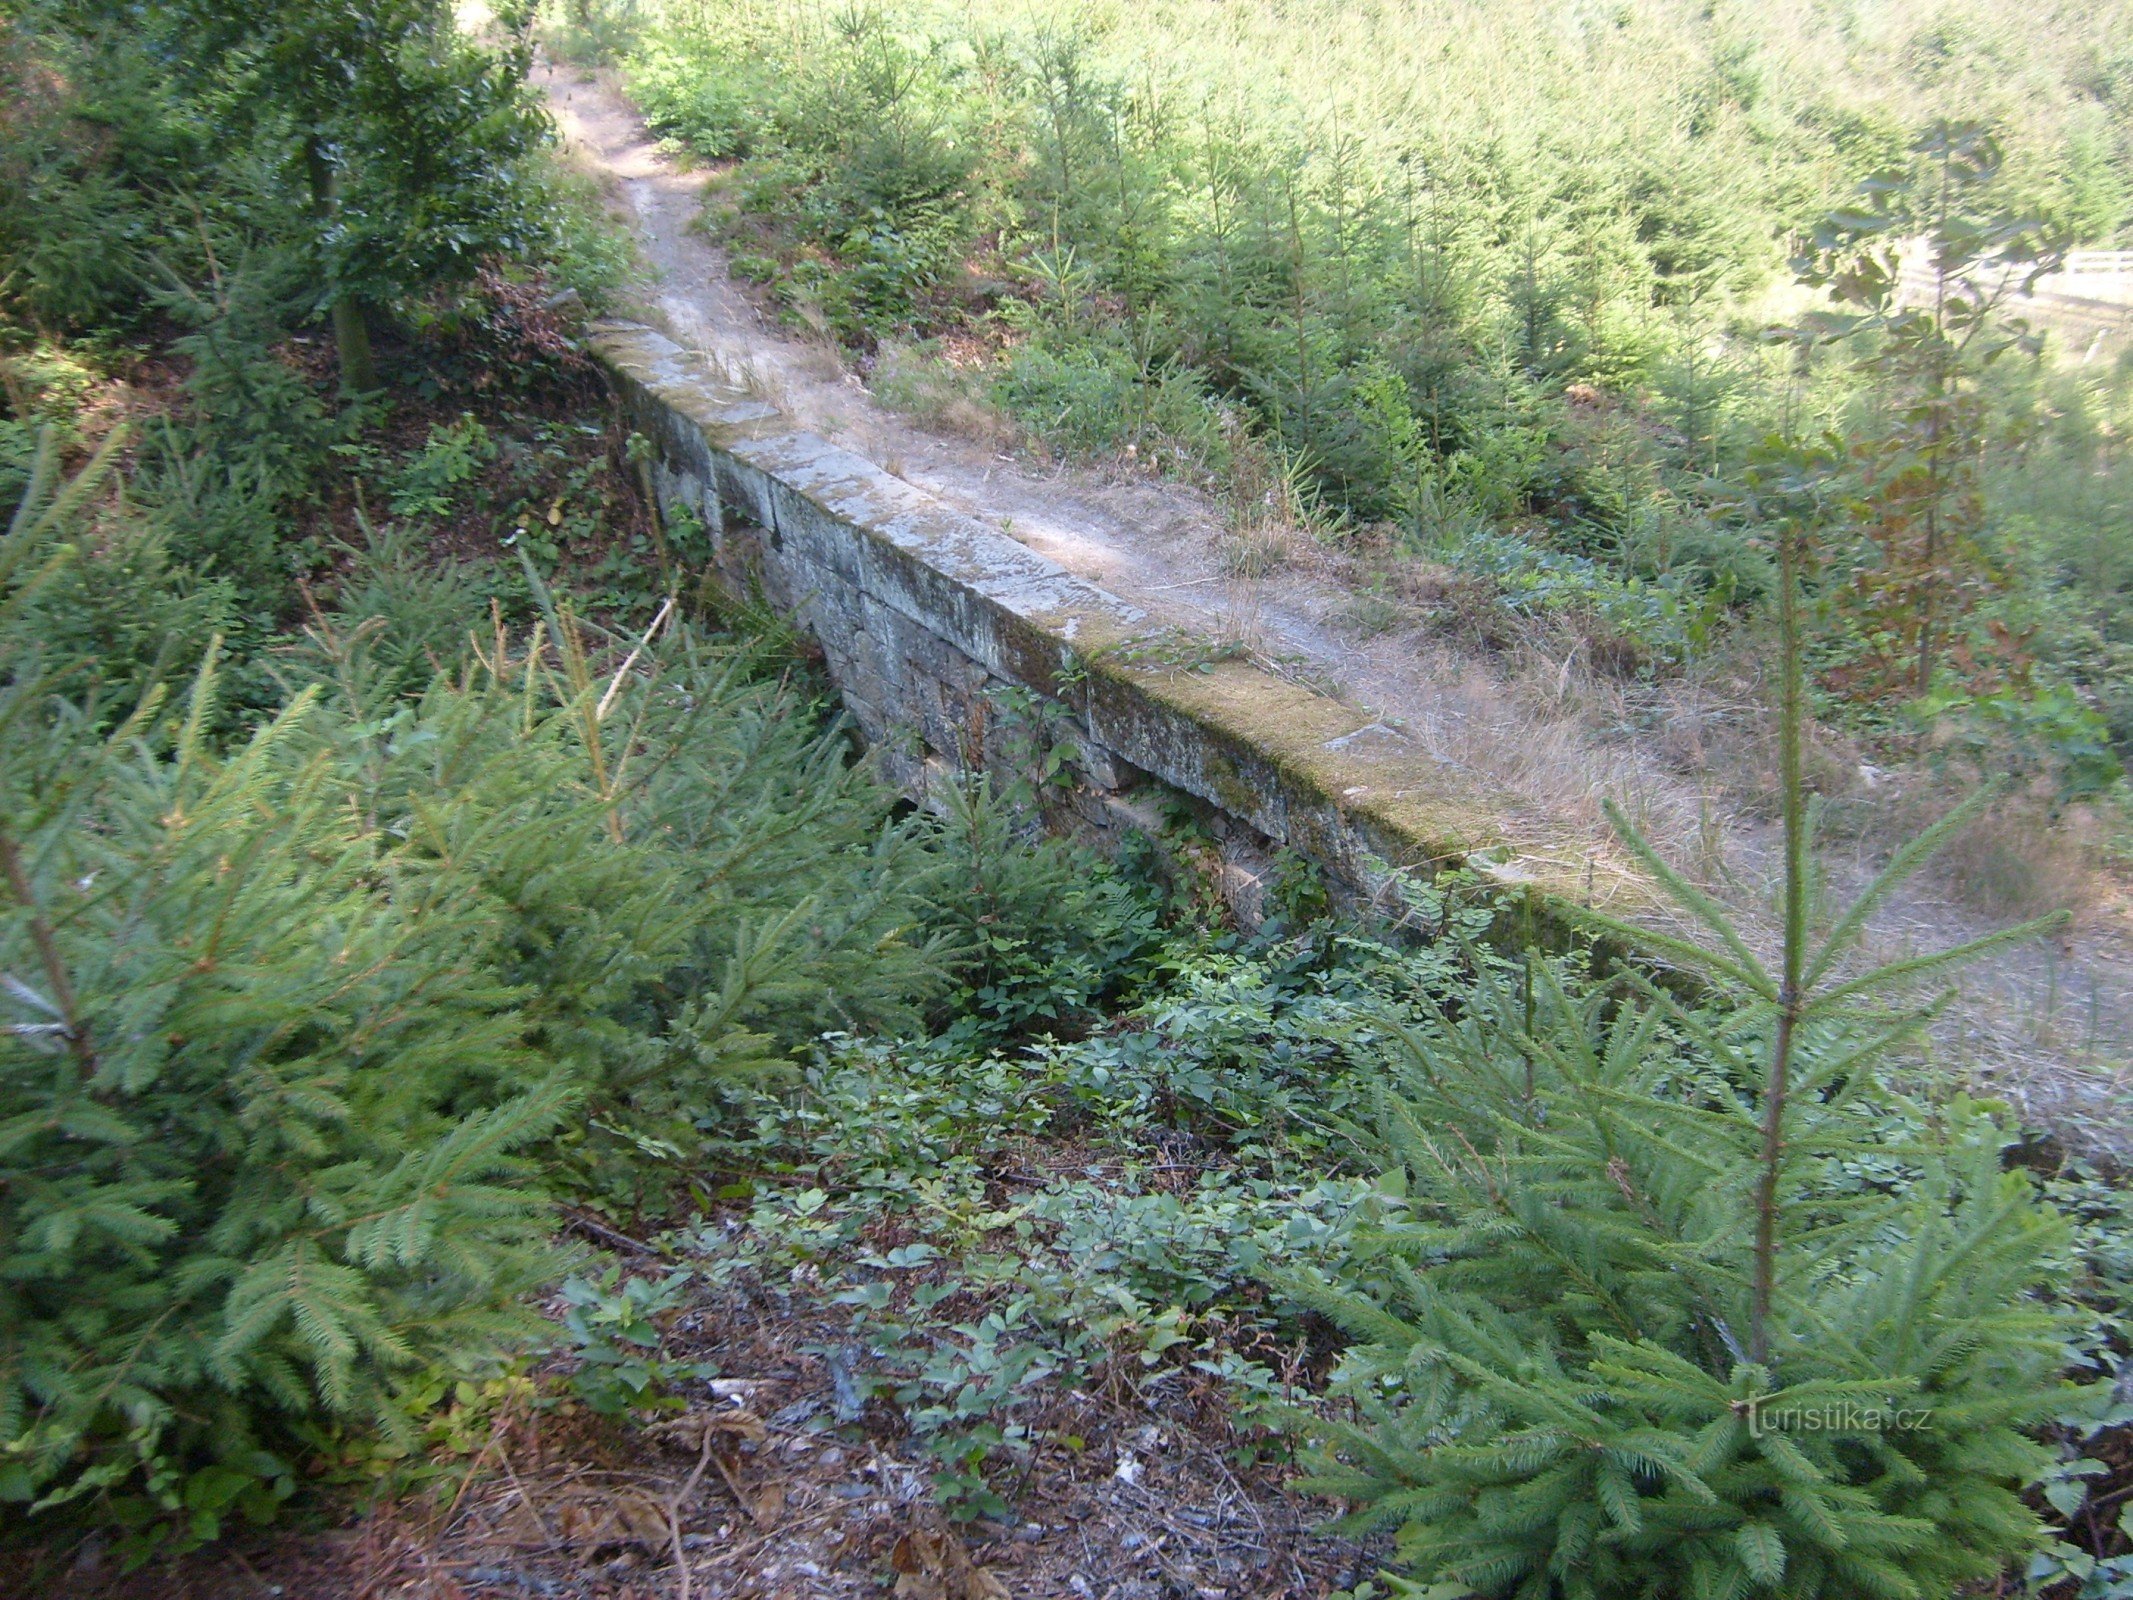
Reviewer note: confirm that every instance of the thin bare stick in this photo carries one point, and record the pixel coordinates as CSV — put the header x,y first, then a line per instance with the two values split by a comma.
x,y
680,1498
682,1583
55,970
666,608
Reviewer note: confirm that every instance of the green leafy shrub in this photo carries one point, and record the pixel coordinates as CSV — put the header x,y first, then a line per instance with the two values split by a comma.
x,y
989,1303
1089,399
859,167
707,101
612,1325
885,266
1355,431
124,610
223,478
91,136
1555,1396
1045,931
1666,620
426,483
595,32
265,1129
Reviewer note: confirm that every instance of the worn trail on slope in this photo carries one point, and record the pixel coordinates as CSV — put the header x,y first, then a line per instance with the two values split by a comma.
x,y
1154,543
1159,545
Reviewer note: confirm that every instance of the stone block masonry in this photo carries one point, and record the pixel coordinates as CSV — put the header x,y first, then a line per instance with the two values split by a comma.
x,y
932,624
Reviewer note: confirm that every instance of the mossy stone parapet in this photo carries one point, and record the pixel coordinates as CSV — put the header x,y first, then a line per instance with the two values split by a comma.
x,y
925,615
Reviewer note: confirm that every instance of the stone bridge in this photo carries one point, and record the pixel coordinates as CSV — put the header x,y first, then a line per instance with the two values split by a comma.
x,y
948,641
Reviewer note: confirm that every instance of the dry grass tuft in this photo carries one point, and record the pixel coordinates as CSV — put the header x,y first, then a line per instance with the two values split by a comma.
x,y
941,396
2012,862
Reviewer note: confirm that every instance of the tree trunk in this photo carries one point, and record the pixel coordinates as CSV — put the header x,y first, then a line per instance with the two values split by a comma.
x,y
351,331
351,340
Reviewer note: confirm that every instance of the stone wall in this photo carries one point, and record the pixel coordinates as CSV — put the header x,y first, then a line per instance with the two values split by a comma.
x,y
944,637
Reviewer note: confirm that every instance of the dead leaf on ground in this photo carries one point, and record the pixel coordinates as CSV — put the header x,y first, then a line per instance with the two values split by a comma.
x,y
716,1437
764,1504
931,1563
691,1431
586,1519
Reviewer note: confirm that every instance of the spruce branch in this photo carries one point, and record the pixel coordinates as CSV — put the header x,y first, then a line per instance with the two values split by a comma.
x,y
1790,999
75,1029
1907,860
1744,967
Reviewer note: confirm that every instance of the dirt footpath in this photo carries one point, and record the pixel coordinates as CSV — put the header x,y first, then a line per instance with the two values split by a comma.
x,y
2049,1026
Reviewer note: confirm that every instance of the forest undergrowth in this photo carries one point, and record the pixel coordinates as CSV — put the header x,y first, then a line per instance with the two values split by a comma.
x,y
1495,313
496,1096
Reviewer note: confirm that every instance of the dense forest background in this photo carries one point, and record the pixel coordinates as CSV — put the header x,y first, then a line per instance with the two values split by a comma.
x,y
1492,289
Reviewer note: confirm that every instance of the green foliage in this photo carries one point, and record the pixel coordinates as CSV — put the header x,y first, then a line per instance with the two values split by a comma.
x,y
1919,578
1692,1300
594,32
613,1327
905,1188
324,972
2053,731
710,103
411,144
1046,932
226,175
225,477
265,1129
1555,1388
1669,619
294,1020
887,265
1108,1270
91,135
132,616
1917,505
426,483
863,169
1092,399
2095,1529
375,151
2062,501
1495,282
